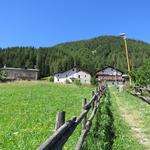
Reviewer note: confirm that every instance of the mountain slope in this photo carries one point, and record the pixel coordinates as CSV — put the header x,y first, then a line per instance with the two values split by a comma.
x,y
90,54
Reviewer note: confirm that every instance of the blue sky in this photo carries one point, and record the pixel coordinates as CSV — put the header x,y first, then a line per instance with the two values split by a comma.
x,y
48,22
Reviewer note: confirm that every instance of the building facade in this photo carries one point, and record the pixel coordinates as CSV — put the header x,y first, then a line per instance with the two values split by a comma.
x,y
20,74
111,76
72,75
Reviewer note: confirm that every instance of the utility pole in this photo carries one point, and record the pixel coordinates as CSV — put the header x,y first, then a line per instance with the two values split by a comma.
x,y
123,35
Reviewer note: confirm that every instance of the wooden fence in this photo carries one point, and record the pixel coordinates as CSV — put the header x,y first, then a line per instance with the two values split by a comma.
x,y
65,129
142,93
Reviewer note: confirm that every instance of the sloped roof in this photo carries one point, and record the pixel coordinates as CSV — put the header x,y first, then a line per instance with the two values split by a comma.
x,y
19,69
110,67
78,69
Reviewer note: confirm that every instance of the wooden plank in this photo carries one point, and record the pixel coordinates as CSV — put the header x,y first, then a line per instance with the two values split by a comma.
x,y
81,139
145,99
92,104
82,115
55,142
84,119
88,105
87,128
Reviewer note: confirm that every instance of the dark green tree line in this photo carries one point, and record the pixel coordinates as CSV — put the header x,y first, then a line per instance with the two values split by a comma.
x,y
92,55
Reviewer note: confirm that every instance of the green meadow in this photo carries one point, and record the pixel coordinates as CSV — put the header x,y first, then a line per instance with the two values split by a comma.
x,y
28,110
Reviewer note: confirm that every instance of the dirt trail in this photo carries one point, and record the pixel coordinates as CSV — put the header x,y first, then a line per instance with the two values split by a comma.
x,y
134,121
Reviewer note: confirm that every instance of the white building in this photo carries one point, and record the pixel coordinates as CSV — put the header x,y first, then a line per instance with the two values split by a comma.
x,y
72,75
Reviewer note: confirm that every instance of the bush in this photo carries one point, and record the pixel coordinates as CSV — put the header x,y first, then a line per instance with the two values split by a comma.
x,y
3,75
67,81
77,82
142,75
51,78
93,81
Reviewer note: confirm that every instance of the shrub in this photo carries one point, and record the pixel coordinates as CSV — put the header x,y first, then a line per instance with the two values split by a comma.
x,y
67,81
93,81
3,75
51,78
142,75
77,82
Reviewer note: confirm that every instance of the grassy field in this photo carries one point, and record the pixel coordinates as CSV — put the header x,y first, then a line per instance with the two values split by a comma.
x,y
28,110
122,123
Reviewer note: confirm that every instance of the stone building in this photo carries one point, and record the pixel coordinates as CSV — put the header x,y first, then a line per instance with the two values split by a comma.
x,y
20,73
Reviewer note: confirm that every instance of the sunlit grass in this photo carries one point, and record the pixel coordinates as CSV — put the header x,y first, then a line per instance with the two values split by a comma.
x,y
28,110
139,109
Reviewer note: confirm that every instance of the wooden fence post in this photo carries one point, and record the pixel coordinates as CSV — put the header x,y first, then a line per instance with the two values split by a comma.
x,y
141,92
97,96
92,105
85,118
60,119
99,90
134,90
96,90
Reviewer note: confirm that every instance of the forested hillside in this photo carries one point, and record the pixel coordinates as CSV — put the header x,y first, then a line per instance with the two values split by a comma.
x,y
90,54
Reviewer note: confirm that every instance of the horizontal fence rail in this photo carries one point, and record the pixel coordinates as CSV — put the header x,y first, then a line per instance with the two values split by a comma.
x,y
140,92
65,129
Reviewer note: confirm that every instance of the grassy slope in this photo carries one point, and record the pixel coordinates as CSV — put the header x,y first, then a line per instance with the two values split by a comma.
x,y
109,130
28,110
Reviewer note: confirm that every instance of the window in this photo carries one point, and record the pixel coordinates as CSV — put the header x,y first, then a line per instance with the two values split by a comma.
x,y
79,76
66,75
85,75
58,75
57,79
85,81
73,69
